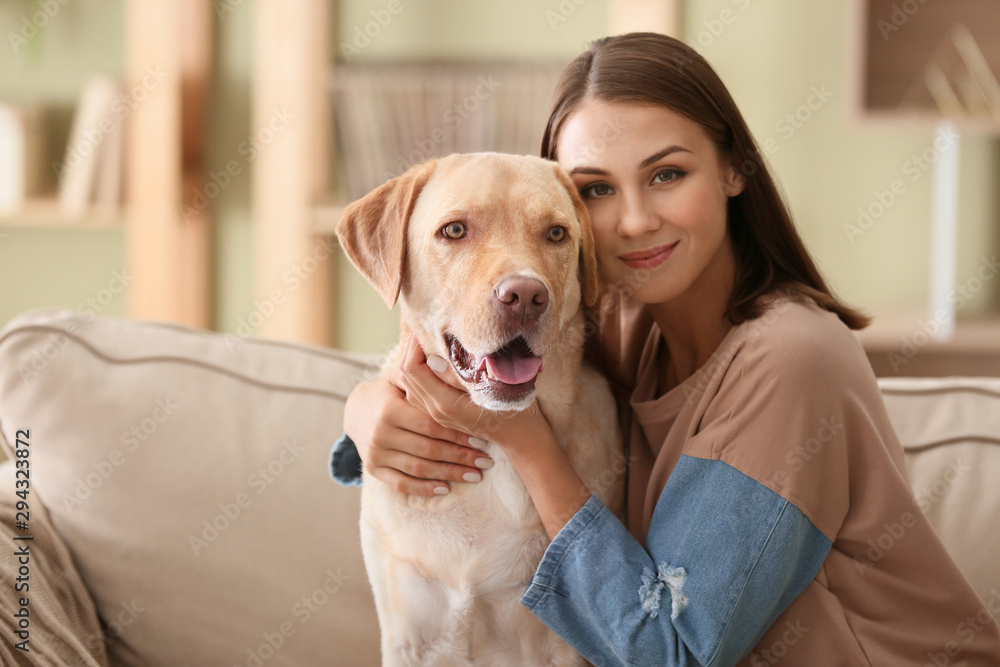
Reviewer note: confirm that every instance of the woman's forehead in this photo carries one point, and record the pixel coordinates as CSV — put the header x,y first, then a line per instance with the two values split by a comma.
x,y
601,132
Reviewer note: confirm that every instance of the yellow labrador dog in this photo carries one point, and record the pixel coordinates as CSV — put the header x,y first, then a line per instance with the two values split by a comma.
x,y
491,258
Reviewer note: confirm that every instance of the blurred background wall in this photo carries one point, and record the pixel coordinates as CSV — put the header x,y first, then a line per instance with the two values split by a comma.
x,y
777,57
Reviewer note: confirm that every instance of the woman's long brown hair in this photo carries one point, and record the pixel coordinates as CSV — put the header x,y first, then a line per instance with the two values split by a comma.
x,y
649,68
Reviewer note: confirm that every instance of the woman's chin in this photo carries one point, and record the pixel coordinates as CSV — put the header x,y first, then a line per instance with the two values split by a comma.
x,y
648,287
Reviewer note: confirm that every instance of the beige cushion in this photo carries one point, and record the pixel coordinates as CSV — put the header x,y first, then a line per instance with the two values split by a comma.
x,y
187,474
950,431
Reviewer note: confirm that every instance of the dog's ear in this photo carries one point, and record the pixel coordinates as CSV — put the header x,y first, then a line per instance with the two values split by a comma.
x,y
372,230
589,276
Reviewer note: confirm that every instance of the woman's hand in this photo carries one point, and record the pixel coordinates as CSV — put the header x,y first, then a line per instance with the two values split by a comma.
x,y
527,439
402,446
435,390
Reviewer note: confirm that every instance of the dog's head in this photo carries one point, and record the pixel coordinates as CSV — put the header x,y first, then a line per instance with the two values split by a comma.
x,y
490,256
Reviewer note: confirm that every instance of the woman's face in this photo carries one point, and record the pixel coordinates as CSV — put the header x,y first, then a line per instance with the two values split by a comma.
x,y
656,190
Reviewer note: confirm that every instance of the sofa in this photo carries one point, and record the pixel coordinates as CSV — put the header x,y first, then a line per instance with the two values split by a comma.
x,y
179,509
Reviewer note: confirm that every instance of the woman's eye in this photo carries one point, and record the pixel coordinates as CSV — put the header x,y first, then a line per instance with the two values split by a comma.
x,y
595,190
557,233
668,175
453,230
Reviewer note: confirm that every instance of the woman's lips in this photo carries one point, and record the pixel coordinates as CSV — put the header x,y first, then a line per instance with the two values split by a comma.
x,y
648,259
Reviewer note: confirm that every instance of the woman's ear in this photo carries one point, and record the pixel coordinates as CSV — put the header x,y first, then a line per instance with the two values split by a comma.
x,y
372,230
734,182
589,276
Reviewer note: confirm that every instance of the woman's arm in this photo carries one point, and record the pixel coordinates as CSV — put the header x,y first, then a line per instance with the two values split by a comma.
x,y
556,490
723,559
403,447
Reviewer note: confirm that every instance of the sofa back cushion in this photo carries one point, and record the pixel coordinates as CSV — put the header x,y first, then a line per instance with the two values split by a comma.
x,y
187,473
950,432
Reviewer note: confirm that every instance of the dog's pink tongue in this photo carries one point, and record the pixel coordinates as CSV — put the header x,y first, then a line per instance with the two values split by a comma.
x,y
514,369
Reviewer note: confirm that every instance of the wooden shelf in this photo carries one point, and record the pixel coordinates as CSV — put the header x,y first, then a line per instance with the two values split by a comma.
x,y
46,212
890,331
920,121
898,344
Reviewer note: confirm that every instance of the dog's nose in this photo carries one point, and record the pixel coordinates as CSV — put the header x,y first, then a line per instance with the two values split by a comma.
x,y
521,298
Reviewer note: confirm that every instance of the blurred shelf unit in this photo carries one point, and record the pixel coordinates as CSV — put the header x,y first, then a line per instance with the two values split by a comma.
x,y
146,130
918,62
365,124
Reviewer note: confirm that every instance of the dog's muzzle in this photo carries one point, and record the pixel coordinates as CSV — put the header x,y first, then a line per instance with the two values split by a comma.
x,y
508,374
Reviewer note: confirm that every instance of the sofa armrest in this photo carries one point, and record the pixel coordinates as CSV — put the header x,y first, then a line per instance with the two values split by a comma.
x,y
187,473
46,613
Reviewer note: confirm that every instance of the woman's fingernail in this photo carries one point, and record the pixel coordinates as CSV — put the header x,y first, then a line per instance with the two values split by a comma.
x,y
477,442
437,364
472,477
441,490
484,463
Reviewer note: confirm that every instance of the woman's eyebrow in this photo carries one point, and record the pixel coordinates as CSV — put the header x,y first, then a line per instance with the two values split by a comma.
x,y
588,170
662,154
642,165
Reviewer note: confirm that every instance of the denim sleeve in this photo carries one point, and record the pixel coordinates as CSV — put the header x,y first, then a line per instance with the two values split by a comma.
x,y
345,462
724,557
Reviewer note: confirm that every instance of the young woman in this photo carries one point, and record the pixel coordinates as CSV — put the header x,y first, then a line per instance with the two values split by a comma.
x,y
769,517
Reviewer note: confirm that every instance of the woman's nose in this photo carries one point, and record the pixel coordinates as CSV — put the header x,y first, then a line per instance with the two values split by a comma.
x,y
637,216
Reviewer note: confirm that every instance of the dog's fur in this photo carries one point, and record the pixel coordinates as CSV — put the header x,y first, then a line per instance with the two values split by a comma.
x,y
448,571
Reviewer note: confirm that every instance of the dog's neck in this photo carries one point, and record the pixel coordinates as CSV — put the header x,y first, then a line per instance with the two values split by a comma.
x,y
557,384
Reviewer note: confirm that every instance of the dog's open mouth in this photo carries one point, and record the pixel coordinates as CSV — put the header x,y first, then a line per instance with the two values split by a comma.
x,y
508,372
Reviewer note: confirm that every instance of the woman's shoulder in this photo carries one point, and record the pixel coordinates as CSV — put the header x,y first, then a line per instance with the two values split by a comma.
x,y
795,334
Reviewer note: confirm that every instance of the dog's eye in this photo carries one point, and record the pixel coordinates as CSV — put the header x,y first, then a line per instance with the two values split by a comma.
x,y
557,233
454,230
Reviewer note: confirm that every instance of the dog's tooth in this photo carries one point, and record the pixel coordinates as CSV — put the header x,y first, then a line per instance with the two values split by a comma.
x,y
489,372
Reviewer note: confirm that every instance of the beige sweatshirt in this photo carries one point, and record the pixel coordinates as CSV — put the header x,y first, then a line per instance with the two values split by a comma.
x,y
790,401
